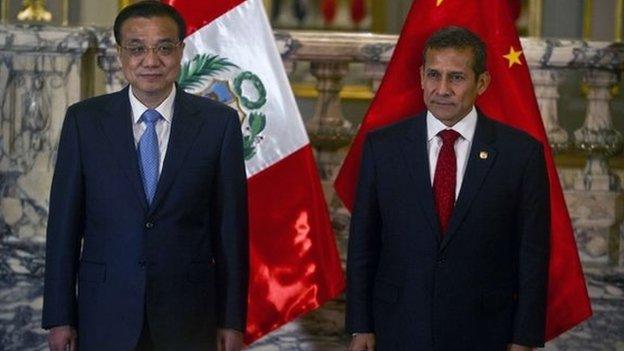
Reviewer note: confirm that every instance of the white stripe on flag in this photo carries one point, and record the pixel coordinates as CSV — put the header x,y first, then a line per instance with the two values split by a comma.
x,y
244,37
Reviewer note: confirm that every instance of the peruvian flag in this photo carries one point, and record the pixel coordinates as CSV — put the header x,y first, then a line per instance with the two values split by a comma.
x,y
231,56
509,99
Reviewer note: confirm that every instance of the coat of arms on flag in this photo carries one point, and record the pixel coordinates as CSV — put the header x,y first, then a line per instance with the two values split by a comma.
x,y
219,79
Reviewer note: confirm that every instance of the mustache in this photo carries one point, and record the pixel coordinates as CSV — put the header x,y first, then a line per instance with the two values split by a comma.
x,y
442,101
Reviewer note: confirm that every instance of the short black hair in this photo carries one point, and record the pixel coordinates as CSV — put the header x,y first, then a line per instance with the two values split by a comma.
x,y
149,9
460,38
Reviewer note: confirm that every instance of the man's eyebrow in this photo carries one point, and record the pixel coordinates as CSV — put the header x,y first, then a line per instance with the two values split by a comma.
x,y
139,41
134,41
168,40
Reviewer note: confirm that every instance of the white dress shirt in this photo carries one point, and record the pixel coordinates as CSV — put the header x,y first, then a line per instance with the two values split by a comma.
x,y
163,126
466,128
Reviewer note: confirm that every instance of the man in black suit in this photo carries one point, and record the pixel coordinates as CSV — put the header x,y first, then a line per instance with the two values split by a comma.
x,y
148,210
449,240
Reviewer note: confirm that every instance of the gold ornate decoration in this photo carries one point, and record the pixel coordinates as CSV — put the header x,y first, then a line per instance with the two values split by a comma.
x,y
65,20
34,10
5,11
124,3
348,92
619,18
587,19
535,18
379,16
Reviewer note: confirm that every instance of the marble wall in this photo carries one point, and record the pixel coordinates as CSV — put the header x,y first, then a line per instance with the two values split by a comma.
x,y
39,77
44,69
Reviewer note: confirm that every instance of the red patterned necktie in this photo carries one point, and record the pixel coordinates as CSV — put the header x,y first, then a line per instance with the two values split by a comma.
x,y
445,178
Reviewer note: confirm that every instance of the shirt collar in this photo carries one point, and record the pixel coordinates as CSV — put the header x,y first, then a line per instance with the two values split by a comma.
x,y
165,108
465,127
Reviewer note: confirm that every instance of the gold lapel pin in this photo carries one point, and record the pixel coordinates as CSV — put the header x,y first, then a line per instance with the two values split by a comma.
x,y
483,155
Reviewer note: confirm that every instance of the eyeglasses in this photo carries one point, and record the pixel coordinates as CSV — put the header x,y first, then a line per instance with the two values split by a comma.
x,y
140,51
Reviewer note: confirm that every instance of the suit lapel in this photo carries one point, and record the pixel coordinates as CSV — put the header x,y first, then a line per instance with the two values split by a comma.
x,y
185,125
414,147
117,126
481,157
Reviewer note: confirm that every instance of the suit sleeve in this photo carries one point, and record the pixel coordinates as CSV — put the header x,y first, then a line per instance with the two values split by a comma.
x,y
231,228
364,247
64,230
534,246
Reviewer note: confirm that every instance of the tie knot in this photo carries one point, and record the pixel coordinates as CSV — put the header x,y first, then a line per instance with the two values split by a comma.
x,y
448,136
150,116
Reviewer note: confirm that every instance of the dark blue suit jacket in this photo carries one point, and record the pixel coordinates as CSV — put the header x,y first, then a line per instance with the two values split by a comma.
x,y
182,262
480,286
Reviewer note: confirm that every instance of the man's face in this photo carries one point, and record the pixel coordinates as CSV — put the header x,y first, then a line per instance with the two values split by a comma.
x,y
450,86
153,73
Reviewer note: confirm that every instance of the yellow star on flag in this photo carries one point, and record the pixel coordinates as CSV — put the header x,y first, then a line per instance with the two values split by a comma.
x,y
439,2
513,56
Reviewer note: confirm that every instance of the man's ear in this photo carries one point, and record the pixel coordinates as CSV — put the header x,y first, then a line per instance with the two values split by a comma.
x,y
422,76
483,81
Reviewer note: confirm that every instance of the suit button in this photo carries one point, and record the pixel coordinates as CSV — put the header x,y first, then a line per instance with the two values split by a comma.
x,y
149,225
142,264
441,260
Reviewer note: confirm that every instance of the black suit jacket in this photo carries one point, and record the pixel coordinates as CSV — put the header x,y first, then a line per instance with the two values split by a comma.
x,y
182,262
482,284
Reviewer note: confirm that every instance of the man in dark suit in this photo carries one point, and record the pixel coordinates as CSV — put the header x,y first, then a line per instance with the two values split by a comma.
x,y
148,209
449,238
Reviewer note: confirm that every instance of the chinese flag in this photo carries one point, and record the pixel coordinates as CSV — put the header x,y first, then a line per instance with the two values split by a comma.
x,y
509,99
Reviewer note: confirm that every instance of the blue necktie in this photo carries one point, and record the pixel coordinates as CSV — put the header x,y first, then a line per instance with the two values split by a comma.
x,y
149,154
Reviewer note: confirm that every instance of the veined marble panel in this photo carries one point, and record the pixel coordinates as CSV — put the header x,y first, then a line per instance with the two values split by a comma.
x,y
107,59
39,77
366,47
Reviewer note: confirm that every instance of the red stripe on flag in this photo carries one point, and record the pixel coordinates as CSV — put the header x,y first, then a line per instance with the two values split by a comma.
x,y
295,265
510,99
198,15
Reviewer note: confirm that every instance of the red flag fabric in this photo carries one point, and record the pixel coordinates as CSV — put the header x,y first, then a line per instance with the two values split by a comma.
x,y
358,11
294,262
199,13
509,99
328,9
516,9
